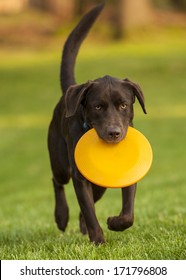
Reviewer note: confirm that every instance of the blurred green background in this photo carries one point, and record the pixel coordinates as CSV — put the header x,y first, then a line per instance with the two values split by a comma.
x,y
149,49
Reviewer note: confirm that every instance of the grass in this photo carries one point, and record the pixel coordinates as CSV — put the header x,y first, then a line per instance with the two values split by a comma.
x,y
29,91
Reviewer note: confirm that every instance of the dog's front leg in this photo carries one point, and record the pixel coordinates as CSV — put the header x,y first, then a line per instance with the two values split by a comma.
x,y
83,190
126,217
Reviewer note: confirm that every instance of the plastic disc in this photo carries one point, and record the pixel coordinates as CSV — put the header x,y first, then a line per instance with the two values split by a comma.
x,y
113,165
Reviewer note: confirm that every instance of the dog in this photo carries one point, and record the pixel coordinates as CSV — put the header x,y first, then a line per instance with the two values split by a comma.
x,y
105,104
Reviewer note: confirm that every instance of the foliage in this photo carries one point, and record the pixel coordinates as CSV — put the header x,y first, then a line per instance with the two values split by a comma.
x,y
171,4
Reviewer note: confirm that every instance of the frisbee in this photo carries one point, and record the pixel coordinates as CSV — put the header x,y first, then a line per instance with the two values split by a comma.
x,y
113,165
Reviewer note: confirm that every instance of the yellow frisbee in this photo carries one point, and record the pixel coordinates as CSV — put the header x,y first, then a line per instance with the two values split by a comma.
x,y
113,165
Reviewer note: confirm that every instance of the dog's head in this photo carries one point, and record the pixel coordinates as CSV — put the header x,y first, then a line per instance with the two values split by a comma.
x,y
107,105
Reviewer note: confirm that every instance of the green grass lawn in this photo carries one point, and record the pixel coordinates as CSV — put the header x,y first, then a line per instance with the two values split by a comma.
x,y
29,91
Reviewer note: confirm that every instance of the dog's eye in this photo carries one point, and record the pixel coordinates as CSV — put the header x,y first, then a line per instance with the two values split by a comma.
x,y
98,107
123,106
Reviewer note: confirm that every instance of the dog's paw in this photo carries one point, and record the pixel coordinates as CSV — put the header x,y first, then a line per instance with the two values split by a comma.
x,y
61,217
98,240
120,223
97,237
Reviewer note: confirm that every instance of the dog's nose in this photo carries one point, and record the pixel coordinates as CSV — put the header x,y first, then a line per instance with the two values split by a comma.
x,y
114,133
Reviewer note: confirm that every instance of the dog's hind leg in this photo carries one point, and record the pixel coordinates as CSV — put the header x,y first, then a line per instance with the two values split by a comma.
x,y
61,174
126,217
61,211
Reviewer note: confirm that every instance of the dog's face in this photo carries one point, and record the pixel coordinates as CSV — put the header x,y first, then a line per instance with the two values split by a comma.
x,y
107,105
109,109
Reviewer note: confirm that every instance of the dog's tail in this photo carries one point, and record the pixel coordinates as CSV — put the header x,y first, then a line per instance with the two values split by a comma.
x,y
73,44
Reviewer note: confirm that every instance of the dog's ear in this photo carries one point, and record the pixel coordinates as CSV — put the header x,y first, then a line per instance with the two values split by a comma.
x,y
74,96
137,92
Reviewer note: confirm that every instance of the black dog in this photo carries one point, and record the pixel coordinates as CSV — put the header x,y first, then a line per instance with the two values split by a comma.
x,y
105,104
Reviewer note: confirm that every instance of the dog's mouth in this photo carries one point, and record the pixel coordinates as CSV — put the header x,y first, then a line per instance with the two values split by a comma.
x,y
113,141
112,134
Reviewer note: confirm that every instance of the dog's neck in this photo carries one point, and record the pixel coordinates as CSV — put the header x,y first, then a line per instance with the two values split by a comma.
x,y
86,126
84,122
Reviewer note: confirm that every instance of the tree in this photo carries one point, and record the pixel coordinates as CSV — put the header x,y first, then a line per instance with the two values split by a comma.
x,y
180,4
63,8
133,13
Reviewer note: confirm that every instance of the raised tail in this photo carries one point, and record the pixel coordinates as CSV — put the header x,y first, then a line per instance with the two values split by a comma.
x,y
73,44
